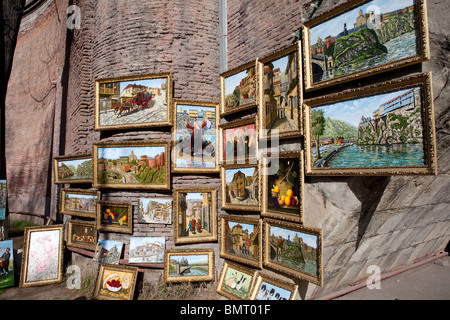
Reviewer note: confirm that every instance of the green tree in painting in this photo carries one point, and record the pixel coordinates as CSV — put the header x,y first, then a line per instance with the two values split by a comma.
x,y
318,127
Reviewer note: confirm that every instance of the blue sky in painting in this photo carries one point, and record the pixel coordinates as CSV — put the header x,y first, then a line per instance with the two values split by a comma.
x,y
245,226
233,81
114,153
309,239
230,173
150,83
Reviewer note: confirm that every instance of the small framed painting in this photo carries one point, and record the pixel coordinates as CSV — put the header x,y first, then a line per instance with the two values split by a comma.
x,y
241,239
236,281
82,234
147,249
79,202
108,251
155,210
195,215
382,129
188,265
133,102
6,264
42,261
115,282
73,169
194,137
114,216
363,37
269,288
239,89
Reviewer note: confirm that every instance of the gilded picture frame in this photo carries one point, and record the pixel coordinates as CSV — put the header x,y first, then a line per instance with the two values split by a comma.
x,y
82,234
236,281
195,217
270,288
177,261
133,102
122,288
79,202
142,160
71,169
114,216
281,236
393,131
192,152
241,240
332,54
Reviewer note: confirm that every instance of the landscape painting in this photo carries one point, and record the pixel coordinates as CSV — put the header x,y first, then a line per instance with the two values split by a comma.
x,y
82,234
194,134
114,216
73,169
155,210
6,264
236,281
147,249
108,251
382,131
362,37
269,288
189,265
240,187
141,164
79,202
115,282
133,102
239,141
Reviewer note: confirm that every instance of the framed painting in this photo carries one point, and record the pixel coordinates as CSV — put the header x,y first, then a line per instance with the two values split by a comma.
x,y
73,168
236,281
195,218
79,202
241,239
240,187
361,38
133,102
293,249
132,164
147,249
239,89
270,288
239,141
283,186
114,216
155,210
115,282
82,234
188,265
42,258
280,90
108,251
194,137
3,200
382,129
6,264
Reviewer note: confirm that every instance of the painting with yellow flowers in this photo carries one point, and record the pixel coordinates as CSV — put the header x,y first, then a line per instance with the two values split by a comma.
x,y
114,216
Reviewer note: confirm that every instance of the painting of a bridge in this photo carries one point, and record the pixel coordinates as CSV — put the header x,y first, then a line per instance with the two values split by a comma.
x,y
188,265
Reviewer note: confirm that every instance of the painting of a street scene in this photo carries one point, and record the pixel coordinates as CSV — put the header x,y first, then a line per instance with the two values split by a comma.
x,y
155,210
79,202
72,170
383,130
108,251
147,249
241,186
134,102
239,89
188,265
372,34
239,142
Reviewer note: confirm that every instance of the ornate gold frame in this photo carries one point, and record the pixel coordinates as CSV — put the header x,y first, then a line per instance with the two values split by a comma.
x,y
422,55
429,135
69,240
293,288
118,268
85,214
127,205
185,252
220,284
56,160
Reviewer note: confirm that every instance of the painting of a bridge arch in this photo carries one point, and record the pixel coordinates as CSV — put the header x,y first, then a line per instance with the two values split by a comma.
x,y
362,37
384,129
188,265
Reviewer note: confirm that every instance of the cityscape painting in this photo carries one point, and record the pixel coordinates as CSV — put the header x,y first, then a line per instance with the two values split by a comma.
x,y
108,251
147,249
79,202
362,37
188,265
240,187
239,141
155,210
73,169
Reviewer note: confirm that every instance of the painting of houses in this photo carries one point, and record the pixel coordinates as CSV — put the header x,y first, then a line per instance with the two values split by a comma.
x,y
108,251
155,210
146,249
241,187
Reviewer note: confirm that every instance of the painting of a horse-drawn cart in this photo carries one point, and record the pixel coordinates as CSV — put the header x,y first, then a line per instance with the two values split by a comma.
x,y
141,101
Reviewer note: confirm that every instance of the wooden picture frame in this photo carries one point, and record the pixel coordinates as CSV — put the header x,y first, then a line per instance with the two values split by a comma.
x,y
270,288
241,240
141,101
186,144
122,288
42,259
239,89
155,210
281,93
177,261
79,202
64,168
142,160
290,183
201,224
335,58
114,216
236,281
82,234
396,125
239,189
280,236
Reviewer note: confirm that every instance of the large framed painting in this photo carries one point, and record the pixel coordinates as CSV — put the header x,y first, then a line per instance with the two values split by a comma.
x,y
241,239
194,137
147,249
82,234
132,164
195,218
283,186
239,141
236,281
361,38
188,265
382,129
155,210
239,89
108,251
270,288
73,169
133,102
114,216
115,282
294,249
281,93
6,264
79,202
240,187
42,260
